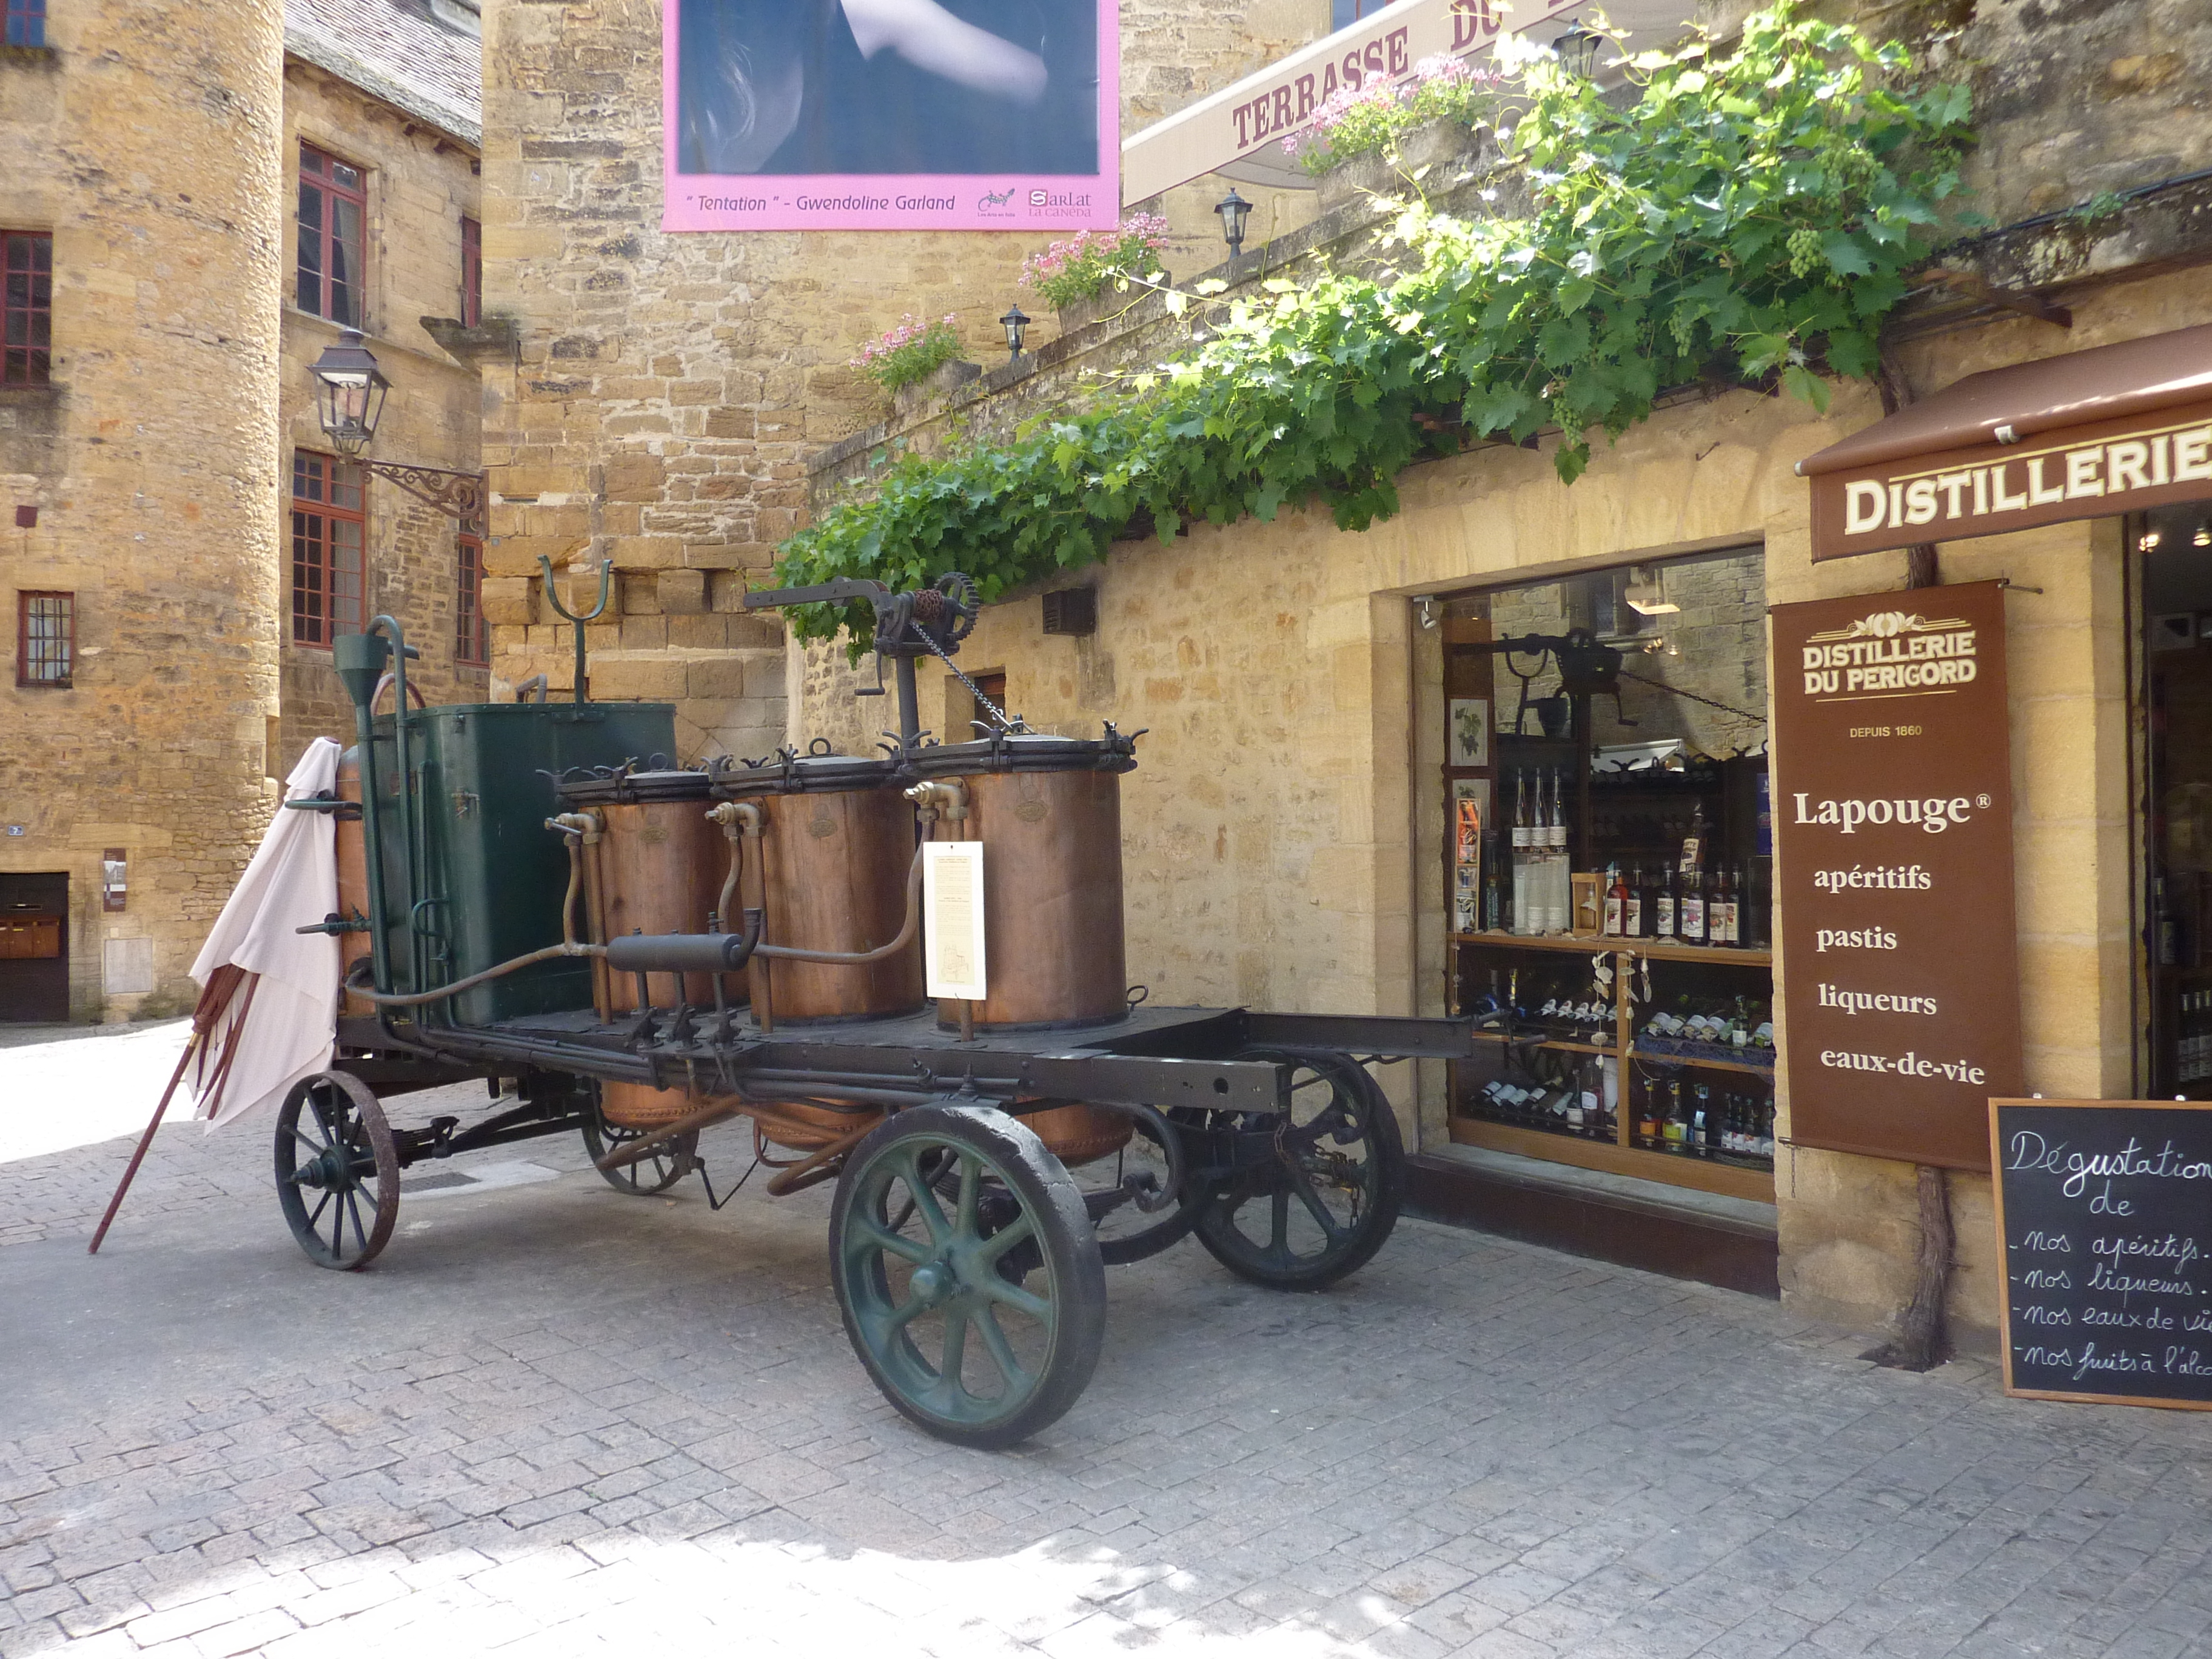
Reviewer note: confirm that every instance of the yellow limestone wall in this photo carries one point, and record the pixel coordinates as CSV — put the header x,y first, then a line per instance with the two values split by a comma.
x,y
1278,854
147,142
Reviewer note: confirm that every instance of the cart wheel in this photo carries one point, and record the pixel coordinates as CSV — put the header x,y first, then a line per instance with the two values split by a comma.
x,y
656,1172
979,1314
1322,1205
1126,1233
337,1167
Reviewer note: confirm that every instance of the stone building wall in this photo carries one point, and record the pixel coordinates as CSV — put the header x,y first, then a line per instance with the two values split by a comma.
x,y
147,142
422,183
668,388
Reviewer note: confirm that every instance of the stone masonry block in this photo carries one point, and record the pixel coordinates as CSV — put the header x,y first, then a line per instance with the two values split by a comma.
x,y
683,593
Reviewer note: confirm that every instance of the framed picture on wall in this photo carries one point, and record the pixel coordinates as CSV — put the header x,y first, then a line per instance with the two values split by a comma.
x,y
1470,731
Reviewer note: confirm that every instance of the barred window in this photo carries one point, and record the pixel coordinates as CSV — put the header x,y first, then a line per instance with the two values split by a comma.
x,y
45,638
333,206
328,533
27,22
471,634
27,303
471,273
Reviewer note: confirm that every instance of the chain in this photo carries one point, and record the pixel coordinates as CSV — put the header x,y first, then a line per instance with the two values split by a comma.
x,y
1646,679
1009,725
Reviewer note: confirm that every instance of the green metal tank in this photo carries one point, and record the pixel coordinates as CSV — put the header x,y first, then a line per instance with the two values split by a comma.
x,y
490,877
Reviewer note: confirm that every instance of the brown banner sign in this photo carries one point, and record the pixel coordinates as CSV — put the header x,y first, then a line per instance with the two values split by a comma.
x,y
2121,465
1893,819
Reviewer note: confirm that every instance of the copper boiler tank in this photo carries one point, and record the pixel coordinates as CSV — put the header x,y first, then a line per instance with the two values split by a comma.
x,y
1048,812
353,880
836,844
655,865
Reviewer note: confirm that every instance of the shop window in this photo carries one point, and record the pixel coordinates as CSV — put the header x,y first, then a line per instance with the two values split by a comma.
x,y
1606,869
45,640
471,634
2172,546
329,533
27,22
27,301
333,210
471,273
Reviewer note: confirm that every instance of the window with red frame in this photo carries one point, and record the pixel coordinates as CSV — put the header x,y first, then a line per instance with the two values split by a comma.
x,y
27,305
27,22
472,634
471,273
328,534
45,640
333,209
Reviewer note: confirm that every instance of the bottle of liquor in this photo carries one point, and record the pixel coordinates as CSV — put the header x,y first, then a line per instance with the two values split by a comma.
x,y
1555,841
1525,920
1647,1116
1720,918
1631,910
1690,919
1493,897
1617,902
1664,902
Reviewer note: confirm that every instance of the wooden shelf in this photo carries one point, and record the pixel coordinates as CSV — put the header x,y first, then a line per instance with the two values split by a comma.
x,y
1652,1058
1656,950
1675,1170
1546,1042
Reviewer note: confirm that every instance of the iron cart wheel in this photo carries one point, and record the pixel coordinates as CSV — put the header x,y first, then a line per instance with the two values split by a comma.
x,y
968,1273
1321,1202
337,1171
656,1172
1126,1232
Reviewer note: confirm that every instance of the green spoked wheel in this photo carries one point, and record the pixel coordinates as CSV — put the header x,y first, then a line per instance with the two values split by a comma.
x,y
337,1171
1323,1201
968,1273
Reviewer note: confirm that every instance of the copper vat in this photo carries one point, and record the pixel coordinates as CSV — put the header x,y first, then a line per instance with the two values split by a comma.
x,y
1048,813
658,866
353,879
837,842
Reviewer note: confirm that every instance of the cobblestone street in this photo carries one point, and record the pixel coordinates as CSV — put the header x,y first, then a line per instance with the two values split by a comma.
x,y
561,1419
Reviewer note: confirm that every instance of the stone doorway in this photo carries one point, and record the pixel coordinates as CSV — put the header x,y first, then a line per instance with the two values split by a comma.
x,y
34,947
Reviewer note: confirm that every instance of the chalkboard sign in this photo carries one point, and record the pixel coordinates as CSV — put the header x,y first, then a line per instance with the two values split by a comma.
x,y
2104,1213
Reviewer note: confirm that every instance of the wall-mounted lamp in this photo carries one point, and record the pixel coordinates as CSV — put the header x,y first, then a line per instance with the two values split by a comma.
x,y
1426,612
2204,536
1577,49
349,391
1646,593
2150,539
1234,213
1016,326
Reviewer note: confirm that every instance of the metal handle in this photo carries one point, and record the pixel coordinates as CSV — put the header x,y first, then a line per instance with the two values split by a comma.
x,y
553,598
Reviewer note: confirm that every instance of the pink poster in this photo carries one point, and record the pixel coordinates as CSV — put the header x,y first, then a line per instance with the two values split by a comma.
x,y
891,114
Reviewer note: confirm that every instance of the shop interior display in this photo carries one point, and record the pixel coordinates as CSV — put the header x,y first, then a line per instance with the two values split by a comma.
x,y
1609,873
2175,545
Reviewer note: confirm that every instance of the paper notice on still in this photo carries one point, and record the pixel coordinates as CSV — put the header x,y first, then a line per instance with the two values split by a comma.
x,y
952,900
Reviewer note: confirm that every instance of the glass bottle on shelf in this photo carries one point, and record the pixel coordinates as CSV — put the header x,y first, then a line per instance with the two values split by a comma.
x,y
1555,842
1525,920
1631,915
1617,902
1666,902
1492,918
1690,919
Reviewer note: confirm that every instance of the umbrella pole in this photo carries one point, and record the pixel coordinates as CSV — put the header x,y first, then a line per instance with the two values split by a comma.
x,y
145,1143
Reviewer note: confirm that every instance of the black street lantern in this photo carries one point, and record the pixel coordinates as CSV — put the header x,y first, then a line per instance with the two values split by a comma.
x,y
349,392
1234,210
1576,50
1016,326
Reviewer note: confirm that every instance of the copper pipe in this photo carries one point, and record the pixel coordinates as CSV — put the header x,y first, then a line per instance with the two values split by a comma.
x,y
858,958
812,1170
